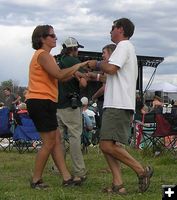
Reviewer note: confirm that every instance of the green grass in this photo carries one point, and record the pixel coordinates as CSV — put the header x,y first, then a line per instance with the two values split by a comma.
x,y
16,170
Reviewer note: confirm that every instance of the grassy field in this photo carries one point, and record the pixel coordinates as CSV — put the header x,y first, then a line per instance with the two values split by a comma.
x,y
16,170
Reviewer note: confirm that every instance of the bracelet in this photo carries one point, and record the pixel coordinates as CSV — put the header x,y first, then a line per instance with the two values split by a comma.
x,y
98,77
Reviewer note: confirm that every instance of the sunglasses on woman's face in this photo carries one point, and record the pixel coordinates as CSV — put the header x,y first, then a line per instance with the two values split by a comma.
x,y
51,35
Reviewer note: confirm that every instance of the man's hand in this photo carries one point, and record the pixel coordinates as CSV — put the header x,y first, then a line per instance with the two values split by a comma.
x,y
79,75
92,64
81,78
91,76
84,65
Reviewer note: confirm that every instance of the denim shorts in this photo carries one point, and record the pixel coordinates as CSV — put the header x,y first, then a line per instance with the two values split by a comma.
x,y
116,125
43,114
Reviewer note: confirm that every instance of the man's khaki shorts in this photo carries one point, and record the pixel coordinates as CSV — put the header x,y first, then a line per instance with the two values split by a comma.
x,y
116,125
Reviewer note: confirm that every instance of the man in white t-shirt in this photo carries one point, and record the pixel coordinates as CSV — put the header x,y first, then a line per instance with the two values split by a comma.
x,y
119,105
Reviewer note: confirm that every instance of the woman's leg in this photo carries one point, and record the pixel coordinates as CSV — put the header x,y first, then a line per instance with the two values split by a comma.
x,y
58,157
48,142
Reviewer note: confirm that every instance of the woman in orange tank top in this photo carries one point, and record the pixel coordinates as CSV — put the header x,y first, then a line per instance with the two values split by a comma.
x,y
41,97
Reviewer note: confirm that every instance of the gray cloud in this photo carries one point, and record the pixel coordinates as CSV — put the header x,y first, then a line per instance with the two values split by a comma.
x,y
90,22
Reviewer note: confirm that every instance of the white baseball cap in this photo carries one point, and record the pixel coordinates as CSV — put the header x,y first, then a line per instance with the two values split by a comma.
x,y
84,101
71,42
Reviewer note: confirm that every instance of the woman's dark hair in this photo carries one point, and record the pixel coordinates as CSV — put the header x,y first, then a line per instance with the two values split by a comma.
x,y
127,26
40,32
110,48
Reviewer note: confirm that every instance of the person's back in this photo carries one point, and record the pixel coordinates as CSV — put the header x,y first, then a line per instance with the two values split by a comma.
x,y
87,128
91,114
87,122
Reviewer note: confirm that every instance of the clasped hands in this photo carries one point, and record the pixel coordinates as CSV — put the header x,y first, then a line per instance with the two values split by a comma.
x,y
88,67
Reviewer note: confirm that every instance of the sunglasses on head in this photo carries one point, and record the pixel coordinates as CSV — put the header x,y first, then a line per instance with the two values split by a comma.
x,y
51,35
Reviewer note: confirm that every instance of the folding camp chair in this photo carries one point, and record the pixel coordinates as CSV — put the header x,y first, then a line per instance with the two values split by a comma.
x,y
158,134
26,137
143,127
165,134
6,129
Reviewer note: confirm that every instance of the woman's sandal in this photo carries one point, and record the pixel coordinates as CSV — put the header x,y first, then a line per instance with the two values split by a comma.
x,y
38,185
68,182
115,189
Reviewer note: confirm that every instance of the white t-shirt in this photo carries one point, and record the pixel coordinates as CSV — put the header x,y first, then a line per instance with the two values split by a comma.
x,y
120,89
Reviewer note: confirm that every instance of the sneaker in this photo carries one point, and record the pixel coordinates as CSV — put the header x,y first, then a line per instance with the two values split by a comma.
x,y
144,180
38,185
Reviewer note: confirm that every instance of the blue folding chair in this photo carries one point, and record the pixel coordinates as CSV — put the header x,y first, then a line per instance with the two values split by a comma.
x,y
6,129
25,136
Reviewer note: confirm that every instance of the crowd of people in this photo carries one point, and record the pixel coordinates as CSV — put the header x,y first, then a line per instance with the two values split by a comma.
x,y
55,105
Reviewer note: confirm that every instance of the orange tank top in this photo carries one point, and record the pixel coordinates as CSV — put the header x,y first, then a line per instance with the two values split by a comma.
x,y
41,85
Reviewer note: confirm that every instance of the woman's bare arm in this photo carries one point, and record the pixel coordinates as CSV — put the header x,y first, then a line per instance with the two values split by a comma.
x,y
48,63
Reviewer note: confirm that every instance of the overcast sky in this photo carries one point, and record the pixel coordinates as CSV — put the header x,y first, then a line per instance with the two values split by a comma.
x,y
89,21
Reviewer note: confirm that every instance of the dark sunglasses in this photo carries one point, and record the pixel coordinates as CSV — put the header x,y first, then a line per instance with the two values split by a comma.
x,y
113,27
51,35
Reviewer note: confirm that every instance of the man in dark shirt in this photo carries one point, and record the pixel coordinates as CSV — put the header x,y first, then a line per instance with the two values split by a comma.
x,y
11,100
69,111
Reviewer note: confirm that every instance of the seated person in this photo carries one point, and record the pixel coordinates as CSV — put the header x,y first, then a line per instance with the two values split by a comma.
x,y
90,113
87,124
22,109
157,105
141,108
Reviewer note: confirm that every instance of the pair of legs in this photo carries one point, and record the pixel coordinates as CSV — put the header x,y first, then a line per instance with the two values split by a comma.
x,y
116,152
43,114
70,121
51,145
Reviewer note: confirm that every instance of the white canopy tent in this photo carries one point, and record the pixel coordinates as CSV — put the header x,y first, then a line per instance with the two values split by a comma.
x,y
166,90
163,87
